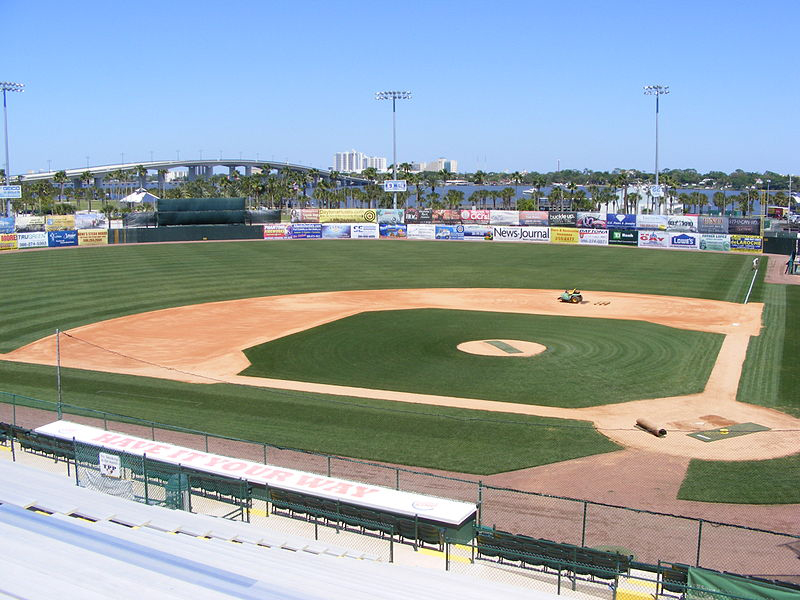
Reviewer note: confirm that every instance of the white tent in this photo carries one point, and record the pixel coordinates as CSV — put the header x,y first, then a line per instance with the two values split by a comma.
x,y
139,196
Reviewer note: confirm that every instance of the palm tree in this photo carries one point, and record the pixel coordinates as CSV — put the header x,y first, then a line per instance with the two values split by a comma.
x,y
162,175
720,200
86,177
141,173
479,177
60,178
634,198
444,175
698,200
370,173
507,193
453,198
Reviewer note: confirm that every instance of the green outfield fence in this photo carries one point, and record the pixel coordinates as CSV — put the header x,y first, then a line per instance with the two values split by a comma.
x,y
650,537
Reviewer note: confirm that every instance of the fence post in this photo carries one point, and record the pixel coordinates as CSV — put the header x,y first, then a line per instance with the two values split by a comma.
x,y
396,478
75,451
265,451
329,465
13,453
152,431
206,438
144,477
14,409
583,527
480,501
105,421
699,541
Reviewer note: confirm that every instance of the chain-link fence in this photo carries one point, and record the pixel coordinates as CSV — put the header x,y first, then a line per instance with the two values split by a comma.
x,y
649,536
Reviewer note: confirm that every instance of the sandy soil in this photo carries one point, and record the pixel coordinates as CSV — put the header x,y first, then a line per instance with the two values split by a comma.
x,y
203,344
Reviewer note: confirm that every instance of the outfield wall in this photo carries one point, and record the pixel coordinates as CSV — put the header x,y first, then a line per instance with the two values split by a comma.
x,y
688,232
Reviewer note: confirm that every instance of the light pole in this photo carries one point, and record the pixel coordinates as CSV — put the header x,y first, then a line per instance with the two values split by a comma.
x,y
8,86
394,97
656,90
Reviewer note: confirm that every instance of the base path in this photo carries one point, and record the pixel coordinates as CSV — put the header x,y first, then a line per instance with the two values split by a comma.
x,y
204,343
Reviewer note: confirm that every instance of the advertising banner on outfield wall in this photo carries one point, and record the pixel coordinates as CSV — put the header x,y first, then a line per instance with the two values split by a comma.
x,y
419,215
689,241
27,223
391,216
710,224
715,241
682,223
335,231
447,216
347,215
90,220
450,232
593,237
306,231
651,222
363,231
304,215
503,217
475,216
653,239
59,222
624,237
32,239
521,234
392,231
563,219
8,241
7,225
534,218
746,243
591,220
57,239
617,221
92,237
477,233
564,235
421,231
277,231
744,225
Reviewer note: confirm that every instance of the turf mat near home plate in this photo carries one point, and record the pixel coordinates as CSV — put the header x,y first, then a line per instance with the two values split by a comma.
x,y
729,431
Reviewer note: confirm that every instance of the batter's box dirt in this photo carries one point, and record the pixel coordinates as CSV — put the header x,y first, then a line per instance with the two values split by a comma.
x,y
729,431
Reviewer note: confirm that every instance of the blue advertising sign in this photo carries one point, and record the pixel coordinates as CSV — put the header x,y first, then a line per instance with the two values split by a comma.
x,y
392,231
57,239
614,221
449,232
338,231
301,231
6,224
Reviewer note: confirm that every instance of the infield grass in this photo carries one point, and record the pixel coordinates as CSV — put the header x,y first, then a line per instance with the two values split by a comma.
x,y
588,361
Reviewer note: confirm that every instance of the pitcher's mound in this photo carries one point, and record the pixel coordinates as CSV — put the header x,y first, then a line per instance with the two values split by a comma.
x,y
502,348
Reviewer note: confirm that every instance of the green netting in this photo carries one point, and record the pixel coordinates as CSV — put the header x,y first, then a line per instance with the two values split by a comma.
x,y
709,585
199,204
201,217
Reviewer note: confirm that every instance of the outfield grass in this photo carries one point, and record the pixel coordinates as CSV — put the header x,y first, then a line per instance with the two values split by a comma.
x,y
61,289
415,351
773,481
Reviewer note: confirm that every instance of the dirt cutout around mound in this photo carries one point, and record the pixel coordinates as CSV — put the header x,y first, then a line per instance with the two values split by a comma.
x,y
204,343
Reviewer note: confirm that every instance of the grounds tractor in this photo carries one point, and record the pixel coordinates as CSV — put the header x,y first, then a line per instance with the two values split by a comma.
x,y
571,296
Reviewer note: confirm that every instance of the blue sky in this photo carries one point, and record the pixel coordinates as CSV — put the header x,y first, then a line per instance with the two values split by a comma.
x,y
503,85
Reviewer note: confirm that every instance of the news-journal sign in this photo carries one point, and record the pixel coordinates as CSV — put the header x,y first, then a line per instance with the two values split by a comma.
x,y
747,243
362,494
521,234
395,185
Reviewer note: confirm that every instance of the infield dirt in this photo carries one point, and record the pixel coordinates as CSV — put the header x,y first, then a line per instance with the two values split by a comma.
x,y
204,344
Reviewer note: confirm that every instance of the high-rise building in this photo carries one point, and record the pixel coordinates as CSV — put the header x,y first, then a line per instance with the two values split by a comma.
x,y
355,162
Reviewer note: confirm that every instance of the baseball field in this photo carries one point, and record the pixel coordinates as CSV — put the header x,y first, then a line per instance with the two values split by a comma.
x,y
352,348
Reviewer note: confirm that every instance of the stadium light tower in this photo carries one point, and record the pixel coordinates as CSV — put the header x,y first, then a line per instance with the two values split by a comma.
x,y
394,97
656,90
8,86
